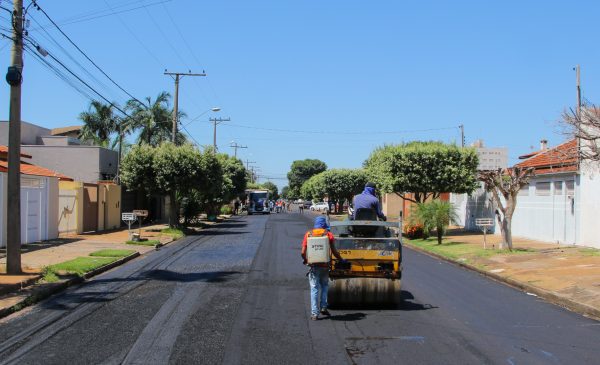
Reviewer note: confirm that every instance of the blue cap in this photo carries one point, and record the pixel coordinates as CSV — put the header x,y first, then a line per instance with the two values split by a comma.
x,y
321,222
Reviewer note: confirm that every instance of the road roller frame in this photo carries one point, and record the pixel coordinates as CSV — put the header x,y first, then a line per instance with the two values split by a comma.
x,y
372,270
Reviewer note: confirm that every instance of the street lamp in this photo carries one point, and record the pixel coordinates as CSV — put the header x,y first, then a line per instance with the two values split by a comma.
x,y
215,109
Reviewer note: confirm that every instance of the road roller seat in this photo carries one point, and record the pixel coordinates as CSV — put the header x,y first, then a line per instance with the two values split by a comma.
x,y
365,214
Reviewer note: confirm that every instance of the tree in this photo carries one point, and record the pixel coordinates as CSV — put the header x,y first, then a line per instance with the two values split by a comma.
x,y
584,126
177,170
273,191
137,169
426,169
154,119
99,122
285,192
301,171
234,176
506,184
435,215
337,184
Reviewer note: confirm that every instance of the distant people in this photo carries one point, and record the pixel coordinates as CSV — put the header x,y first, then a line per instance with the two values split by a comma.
x,y
270,205
368,200
236,207
301,208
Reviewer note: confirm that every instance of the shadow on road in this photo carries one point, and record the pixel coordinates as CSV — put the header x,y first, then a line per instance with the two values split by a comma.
x,y
209,277
406,304
347,317
220,233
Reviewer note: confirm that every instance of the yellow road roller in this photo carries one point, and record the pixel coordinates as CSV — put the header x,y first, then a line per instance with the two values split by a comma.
x,y
371,272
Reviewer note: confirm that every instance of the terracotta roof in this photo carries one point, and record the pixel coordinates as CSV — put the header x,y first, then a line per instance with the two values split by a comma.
x,y
562,158
28,169
4,149
63,130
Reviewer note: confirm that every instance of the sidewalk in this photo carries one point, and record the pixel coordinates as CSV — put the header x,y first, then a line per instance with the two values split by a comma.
x,y
565,275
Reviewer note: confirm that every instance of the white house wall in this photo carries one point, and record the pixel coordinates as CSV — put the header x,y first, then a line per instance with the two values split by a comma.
x,y
589,228
551,217
3,207
469,208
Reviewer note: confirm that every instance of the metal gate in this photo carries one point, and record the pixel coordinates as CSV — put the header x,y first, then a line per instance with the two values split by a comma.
x,y
90,207
34,209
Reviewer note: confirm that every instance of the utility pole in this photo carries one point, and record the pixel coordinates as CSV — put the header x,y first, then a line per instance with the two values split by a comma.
x,y
248,164
236,146
177,76
578,81
14,77
462,135
217,121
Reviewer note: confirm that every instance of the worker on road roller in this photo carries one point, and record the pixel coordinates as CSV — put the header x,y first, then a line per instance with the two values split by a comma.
x,y
367,201
316,247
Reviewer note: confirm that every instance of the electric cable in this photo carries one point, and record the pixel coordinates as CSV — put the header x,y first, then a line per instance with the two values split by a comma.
x,y
82,52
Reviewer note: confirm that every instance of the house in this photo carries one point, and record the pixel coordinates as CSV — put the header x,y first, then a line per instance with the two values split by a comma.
x,y
59,150
549,208
39,200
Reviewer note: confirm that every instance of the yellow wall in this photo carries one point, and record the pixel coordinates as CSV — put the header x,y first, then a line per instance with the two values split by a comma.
x,y
109,206
70,207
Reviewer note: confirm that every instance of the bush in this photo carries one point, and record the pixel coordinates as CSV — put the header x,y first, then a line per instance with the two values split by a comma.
x,y
226,209
414,231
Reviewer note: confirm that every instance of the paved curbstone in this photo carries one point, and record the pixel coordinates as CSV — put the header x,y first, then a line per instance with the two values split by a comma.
x,y
549,296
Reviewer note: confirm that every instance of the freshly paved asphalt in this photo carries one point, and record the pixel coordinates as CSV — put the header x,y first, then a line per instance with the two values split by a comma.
x,y
237,294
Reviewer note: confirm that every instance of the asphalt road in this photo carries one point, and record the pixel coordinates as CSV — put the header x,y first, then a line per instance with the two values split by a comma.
x,y
237,294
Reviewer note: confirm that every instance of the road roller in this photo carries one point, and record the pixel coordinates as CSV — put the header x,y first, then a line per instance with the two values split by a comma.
x,y
371,272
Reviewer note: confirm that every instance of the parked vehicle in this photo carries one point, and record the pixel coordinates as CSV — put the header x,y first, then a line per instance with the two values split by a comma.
x,y
307,204
258,201
320,206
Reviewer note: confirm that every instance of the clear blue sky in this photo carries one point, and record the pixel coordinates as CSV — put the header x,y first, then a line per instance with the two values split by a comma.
x,y
328,76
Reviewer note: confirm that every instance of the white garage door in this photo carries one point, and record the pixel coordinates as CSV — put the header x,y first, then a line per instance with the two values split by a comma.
x,y
34,209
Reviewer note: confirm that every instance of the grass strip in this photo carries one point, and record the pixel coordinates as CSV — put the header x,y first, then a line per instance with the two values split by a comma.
x,y
81,265
460,250
144,243
112,253
173,232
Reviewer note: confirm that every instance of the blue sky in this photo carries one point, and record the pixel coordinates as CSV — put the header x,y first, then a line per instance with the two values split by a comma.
x,y
325,79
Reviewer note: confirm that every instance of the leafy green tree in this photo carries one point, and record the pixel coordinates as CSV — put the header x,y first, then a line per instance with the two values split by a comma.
x,y
99,123
177,170
137,169
426,169
335,184
273,190
435,215
154,119
234,176
210,186
301,171
285,192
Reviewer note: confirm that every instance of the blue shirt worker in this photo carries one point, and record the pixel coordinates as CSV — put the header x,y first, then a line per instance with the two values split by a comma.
x,y
318,276
368,200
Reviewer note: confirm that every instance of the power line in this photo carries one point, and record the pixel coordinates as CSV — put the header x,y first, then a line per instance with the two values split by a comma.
x,y
34,2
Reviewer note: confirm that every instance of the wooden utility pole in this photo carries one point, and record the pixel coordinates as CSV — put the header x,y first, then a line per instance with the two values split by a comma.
x,y
177,76
462,135
14,78
215,122
235,146
578,82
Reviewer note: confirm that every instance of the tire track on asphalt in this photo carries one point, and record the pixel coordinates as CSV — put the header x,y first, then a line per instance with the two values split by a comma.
x,y
53,324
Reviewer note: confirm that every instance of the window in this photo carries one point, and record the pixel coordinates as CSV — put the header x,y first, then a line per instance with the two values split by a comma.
x,y
542,188
558,188
570,186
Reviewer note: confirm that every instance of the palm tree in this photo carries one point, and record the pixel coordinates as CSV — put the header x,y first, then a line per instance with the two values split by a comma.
x,y
99,122
436,215
154,119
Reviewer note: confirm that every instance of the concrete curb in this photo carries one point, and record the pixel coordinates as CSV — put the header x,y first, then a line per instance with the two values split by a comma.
x,y
10,288
549,296
43,292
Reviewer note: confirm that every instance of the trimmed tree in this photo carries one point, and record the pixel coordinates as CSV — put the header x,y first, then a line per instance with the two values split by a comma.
x,y
504,185
425,169
337,184
301,171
